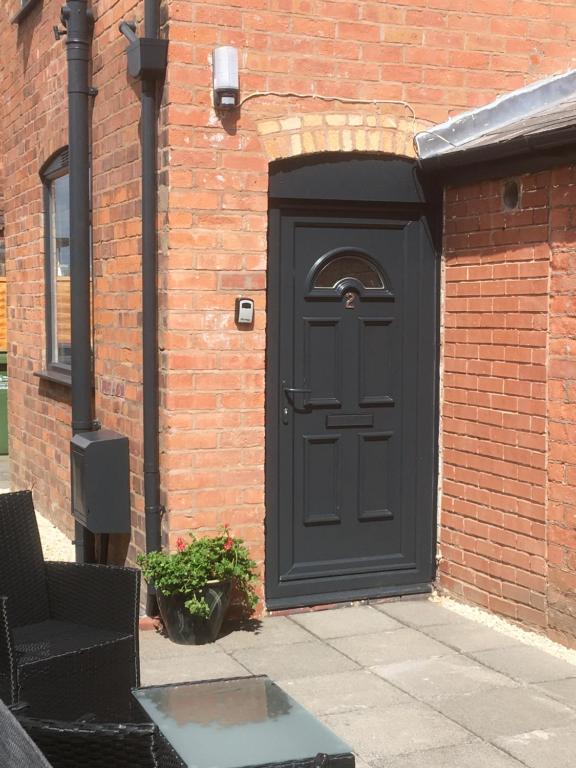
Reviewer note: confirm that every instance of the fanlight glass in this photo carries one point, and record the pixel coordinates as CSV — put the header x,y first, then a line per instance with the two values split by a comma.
x,y
348,266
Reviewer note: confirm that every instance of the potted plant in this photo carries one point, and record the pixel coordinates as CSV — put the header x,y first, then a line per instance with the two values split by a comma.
x,y
194,584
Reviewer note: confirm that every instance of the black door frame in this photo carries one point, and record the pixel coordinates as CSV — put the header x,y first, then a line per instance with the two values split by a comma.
x,y
312,183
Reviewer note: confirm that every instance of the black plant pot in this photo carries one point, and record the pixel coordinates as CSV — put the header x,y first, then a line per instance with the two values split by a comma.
x,y
184,627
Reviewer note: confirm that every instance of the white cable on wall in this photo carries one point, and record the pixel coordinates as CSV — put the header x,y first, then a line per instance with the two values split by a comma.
x,y
345,100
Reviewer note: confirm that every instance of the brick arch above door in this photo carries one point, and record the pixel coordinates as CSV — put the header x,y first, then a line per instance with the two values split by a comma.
x,y
309,133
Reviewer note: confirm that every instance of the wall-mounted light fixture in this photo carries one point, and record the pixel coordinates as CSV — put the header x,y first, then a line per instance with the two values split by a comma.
x,y
225,77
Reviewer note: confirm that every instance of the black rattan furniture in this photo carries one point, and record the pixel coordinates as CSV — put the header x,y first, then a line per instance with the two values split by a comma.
x,y
17,750
68,632
231,723
101,745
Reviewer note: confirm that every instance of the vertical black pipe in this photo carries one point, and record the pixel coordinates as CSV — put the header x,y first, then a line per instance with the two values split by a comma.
x,y
151,17
79,33
79,24
152,505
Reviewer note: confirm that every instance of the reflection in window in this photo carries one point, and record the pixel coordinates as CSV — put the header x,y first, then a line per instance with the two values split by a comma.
x,y
348,266
57,238
60,224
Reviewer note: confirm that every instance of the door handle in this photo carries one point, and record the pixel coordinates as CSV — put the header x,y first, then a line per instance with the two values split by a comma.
x,y
291,393
297,390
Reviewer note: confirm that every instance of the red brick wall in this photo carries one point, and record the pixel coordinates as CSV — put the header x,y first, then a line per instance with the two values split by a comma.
x,y
34,125
562,409
117,244
440,56
508,479
492,523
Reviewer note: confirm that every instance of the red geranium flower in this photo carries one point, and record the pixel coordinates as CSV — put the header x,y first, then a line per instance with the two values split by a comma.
x,y
228,543
181,544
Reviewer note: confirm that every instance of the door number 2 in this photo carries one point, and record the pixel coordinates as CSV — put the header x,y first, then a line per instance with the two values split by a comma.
x,y
350,297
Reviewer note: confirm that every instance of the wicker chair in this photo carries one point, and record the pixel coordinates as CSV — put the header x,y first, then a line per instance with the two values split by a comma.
x,y
68,632
17,750
101,745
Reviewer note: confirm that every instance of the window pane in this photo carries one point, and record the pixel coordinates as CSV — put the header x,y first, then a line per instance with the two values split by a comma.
x,y
60,269
348,266
61,225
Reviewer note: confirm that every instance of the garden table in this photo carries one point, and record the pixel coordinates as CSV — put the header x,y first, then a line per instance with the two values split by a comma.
x,y
241,722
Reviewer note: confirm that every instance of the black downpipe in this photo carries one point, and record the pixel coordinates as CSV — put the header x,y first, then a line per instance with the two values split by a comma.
x,y
143,63
151,18
152,507
79,24
147,62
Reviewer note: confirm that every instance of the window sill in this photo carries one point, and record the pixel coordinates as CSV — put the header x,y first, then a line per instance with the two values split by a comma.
x,y
56,377
24,11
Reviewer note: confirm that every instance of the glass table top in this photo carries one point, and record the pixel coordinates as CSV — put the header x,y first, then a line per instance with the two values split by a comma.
x,y
235,723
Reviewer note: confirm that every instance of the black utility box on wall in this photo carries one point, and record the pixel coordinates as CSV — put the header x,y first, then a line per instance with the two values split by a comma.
x,y
101,481
147,57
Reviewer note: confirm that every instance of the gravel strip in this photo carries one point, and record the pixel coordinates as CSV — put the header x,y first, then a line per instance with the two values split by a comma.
x,y
55,544
525,636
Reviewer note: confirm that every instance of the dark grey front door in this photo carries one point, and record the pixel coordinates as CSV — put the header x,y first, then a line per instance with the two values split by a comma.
x,y
352,511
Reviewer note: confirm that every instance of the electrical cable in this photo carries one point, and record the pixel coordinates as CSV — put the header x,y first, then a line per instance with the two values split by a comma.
x,y
343,99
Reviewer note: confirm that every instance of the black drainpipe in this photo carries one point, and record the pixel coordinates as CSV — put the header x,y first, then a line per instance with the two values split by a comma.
x,y
147,58
79,23
150,398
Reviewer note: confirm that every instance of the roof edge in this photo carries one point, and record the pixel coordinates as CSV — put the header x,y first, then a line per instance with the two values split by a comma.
x,y
450,136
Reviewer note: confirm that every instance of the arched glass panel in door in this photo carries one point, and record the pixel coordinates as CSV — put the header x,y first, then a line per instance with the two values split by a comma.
x,y
348,266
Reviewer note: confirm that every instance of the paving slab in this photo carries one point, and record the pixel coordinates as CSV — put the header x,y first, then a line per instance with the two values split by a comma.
x,y
383,732
427,679
389,647
345,622
154,645
173,669
527,664
470,637
163,661
277,631
286,662
550,748
421,613
505,711
476,755
345,691
561,690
